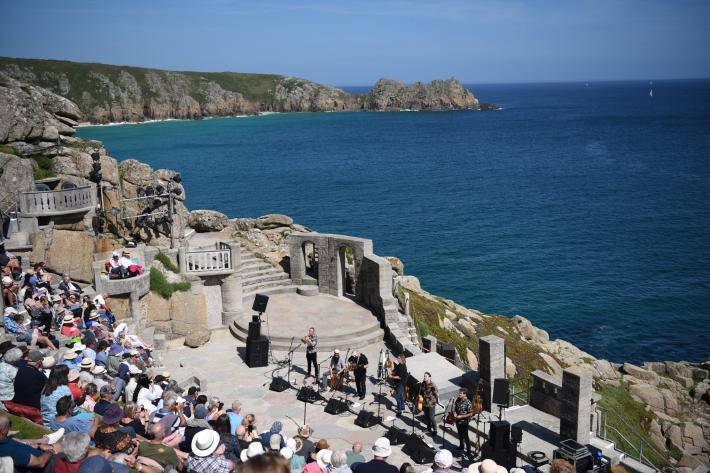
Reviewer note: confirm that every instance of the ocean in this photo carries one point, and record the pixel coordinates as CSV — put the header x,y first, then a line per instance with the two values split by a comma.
x,y
583,207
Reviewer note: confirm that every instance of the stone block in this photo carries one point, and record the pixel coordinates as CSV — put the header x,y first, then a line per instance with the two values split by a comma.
x,y
575,405
158,308
71,252
197,337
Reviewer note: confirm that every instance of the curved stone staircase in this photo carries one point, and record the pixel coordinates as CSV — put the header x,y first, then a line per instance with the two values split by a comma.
x,y
259,276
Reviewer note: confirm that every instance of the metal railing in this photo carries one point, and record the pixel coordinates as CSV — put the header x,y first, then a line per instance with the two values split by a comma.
x,y
60,202
199,261
519,395
629,441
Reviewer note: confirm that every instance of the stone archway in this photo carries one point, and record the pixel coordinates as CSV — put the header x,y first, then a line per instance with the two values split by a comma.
x,y
310,259
346,271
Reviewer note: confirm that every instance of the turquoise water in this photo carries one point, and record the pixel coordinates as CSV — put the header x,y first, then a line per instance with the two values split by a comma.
x,y
583,208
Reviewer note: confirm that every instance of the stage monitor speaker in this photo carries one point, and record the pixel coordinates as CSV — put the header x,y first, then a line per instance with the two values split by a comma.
x,y
254,330
499,434
308,394
426,345
516,434
500,391
260,303
448,351
336,406
418,450
396,436
257,352
366,419
504,457
279,384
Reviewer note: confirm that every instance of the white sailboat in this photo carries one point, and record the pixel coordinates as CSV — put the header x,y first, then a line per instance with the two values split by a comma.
x,y
650,92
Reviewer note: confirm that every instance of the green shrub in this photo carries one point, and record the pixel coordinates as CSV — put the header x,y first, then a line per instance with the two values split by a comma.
x,y
162,287
167,262
44,167
8,150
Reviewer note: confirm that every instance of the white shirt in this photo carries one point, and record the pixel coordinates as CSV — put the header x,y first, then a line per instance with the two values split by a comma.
x,y
146,398
126,262
130,388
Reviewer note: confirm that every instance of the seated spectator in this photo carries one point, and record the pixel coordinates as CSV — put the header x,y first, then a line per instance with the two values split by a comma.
x,y
249,424
111,435
133,373
102,353
75,447
490,466
254,450
70,360
207,453
195,425
8,372
443,461
276,428
266,463
106,393
68,287
355,455
114,267
44,279
56,387
10,291
170,414
105,314
65,419
223,427
23,455
381,450
76,391
156,449
48,362
86,365
42,314
101,379
29,383
135,418
134,269
235,416
297,462
339,462
91,396
144,394
14,325
306,446
69,328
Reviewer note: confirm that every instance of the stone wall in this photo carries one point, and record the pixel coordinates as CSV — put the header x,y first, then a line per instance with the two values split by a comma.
x,y
544,393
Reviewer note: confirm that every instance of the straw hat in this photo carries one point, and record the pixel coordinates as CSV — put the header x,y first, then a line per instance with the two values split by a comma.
x,y
68,318
323,458
486,466
73,375
98,369
304,431
254,449
48,362
70,355
87,364
78,347
382,448
94,315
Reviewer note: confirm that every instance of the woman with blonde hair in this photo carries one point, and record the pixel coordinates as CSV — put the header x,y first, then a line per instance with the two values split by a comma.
x,y
249,424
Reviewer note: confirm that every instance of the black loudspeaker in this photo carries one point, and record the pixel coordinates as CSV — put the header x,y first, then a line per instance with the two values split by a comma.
x,y
336,406
448,351
396,436
260,303
504,457
279,384
499,434
426,345
254,329
257,352
366,419
418,451
308,394
500,391
516,434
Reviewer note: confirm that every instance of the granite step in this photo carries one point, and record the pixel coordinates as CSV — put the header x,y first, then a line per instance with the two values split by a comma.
x,y
260,272
262,278
280,289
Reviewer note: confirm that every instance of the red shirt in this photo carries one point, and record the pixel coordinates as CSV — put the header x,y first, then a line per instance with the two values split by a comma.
x,y
76,391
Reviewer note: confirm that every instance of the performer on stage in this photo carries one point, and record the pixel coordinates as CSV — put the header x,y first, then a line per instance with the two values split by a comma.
x,y
463,411
400,374
431,396
311,341
358,361
336,366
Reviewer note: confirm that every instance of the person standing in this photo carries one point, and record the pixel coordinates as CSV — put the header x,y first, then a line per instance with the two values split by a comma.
x,y
358,361
430,393
311,341
400,375
463,411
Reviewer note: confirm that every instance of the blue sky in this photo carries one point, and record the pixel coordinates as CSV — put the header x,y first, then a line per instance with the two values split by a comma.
x,y
355,43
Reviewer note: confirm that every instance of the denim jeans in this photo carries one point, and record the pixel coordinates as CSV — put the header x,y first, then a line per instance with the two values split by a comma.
x,y
399,395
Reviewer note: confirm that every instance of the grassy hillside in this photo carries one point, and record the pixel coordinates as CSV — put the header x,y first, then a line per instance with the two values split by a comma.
x,y
51,74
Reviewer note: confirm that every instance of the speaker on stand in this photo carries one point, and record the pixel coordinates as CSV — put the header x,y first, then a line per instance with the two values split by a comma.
x,y
257,354
516,437
498,447
500,395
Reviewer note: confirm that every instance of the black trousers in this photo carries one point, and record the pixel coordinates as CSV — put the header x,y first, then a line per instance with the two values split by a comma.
x,y
360,383
430,418
464,440
312,359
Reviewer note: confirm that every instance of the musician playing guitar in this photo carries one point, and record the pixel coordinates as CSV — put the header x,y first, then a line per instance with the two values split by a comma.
x,y
431,397
333,378
399,375
358,363
463,411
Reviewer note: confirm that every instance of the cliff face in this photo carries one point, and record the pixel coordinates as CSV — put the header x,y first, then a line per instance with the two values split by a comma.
x,y
106,93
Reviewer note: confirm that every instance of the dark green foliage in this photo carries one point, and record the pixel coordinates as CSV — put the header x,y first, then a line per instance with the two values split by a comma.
x,y
8,150
167,262
44,167
162,287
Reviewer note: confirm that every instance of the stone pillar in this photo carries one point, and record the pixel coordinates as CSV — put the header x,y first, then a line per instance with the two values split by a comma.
x,y
231,298
575,405
491,355
134,305
297,262
182,260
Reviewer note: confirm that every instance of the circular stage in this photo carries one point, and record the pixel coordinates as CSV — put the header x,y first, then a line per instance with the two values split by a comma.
x,y
339,322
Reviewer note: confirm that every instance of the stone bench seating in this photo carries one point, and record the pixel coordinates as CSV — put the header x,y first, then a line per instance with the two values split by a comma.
x,y
138,285
58,202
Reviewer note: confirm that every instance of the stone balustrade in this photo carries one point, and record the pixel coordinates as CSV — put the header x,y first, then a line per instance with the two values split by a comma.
x,y
58,202
217,261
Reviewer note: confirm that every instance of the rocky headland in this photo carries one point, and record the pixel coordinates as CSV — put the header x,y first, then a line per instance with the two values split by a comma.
x,y
105,93
666,403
